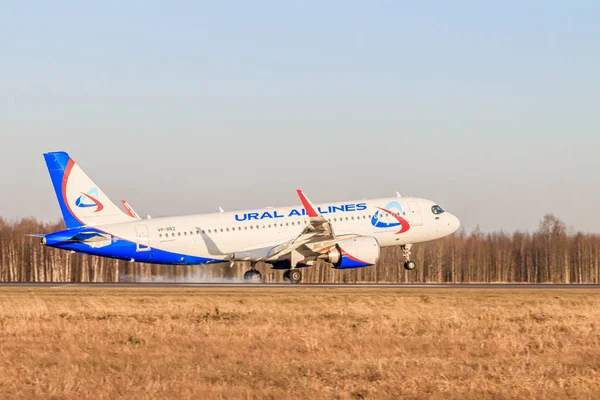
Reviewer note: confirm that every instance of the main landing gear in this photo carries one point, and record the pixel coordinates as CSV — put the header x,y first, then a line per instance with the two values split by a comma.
x,y
408,265
292,275
253,275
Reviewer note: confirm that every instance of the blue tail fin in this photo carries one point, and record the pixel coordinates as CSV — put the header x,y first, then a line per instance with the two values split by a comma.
x,y
57,164
81,202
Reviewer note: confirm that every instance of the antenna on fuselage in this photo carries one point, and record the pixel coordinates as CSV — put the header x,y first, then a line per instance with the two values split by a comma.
x,y
398,194
221,210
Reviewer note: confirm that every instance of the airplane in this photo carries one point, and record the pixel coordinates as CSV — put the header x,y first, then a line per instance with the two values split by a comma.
x,y
347,234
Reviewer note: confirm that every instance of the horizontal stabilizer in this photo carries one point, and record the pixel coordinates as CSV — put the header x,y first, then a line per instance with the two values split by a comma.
x,y
91,238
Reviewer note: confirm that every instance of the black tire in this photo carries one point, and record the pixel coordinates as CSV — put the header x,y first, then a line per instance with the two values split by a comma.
x,y
410,265
253,276
286,276
294,275
256,277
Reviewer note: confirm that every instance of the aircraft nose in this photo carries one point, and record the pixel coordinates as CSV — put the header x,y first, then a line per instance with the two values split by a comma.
x,y
454,223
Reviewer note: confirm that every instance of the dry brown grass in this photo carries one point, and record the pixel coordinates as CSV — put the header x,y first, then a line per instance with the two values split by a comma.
x,y
252,343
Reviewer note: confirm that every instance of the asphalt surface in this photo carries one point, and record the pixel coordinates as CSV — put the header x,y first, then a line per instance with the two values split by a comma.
x,y
290,286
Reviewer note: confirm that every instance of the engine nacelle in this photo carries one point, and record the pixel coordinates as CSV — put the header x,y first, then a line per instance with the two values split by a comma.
x,y
357,252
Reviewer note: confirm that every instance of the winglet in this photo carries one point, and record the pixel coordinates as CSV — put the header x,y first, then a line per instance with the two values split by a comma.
x,y
308,206
130,210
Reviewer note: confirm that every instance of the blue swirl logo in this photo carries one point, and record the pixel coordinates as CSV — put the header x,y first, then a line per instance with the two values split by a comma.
x,y
394,210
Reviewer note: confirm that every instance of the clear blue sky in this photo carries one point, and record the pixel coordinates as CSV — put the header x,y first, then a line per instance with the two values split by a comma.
x,y
490,109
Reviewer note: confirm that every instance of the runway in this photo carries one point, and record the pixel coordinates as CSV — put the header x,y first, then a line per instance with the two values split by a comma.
x,y
254,286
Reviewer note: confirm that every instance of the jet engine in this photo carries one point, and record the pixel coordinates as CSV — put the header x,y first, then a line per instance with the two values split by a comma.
x,y
357,252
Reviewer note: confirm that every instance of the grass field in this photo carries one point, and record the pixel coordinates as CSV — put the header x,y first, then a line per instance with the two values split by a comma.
x,y
341,343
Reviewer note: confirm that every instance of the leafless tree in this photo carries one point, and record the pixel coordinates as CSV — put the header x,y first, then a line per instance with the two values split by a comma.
x,y
550,254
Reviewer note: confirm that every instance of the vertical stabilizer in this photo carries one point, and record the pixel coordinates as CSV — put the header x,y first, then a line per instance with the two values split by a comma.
x,y
81,201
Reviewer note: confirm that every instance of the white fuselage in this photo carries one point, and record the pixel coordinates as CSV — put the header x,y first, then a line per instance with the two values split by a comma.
x,y
217,236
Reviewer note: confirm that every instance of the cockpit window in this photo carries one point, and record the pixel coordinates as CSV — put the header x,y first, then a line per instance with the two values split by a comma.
x,y
437,210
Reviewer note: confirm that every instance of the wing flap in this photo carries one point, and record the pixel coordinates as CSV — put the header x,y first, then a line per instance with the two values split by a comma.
x,y
318,230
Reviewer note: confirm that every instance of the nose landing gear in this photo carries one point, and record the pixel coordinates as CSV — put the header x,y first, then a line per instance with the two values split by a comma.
x,y
408,265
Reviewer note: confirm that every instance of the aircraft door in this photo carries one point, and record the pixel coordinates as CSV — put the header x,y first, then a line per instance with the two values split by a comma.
x,y
142,238
415,214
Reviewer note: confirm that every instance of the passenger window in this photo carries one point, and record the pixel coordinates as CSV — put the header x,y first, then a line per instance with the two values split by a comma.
x,y
178,233
160,235
257,227
221,229
173,234
203,232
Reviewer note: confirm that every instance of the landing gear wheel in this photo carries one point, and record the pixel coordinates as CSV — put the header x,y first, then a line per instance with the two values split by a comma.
x,y
293,276
253,276
408,265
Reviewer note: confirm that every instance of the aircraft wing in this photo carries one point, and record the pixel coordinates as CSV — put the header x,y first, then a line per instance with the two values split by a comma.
x,y
318,226
130,210
317,236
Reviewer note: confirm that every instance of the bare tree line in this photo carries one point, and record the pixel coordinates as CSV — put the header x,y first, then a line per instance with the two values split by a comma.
x,y
548,255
